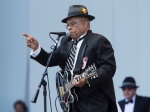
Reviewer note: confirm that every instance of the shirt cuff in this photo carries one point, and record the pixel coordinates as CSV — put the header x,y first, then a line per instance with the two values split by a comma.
x,y
35,53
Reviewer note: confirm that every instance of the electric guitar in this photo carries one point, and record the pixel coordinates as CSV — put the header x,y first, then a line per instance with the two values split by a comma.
x,y
65,88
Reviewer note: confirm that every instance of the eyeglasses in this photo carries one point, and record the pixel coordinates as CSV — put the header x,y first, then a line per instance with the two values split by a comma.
x,y
128,88
72,24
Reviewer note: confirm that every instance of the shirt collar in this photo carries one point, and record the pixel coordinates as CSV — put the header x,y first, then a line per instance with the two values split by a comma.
x,y
81,36
133,98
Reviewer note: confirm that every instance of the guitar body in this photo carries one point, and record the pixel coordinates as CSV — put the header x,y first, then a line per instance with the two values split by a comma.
x,y
65,95
65,88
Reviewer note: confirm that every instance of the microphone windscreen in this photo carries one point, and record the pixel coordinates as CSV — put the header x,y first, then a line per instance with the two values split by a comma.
x,y
67,33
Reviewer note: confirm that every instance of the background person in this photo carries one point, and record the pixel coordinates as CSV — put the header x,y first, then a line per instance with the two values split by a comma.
x,y
20,106
132,101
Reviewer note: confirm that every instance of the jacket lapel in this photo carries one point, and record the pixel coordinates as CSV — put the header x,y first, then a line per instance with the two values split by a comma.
x,y
136,105
122,105
66,44
65,48
81,53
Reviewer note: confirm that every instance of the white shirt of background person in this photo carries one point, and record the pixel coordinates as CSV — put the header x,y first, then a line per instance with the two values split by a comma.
x,y
129,107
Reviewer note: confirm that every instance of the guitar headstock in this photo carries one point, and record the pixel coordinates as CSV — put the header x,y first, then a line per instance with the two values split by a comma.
x,y
90,72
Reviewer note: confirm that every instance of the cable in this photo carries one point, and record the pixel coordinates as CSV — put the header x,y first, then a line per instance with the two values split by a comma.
x,y
55,104
49,92
52,38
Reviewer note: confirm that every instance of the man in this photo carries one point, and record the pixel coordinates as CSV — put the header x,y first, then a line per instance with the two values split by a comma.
x,y
20,106
98,94
133,102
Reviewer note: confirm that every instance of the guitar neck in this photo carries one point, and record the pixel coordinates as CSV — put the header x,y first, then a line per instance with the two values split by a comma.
x,y
70,84
80,77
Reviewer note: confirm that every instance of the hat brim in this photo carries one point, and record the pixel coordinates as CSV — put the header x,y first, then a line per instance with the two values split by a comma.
x,y
128,86
90,17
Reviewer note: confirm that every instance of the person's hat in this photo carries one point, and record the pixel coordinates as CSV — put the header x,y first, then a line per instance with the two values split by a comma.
x,y
78,10
129,81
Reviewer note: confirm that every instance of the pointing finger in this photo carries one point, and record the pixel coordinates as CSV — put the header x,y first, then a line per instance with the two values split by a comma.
x,y
26,35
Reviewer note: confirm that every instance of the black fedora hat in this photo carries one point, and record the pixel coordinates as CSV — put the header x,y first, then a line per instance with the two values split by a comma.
x,y
129,81
78,10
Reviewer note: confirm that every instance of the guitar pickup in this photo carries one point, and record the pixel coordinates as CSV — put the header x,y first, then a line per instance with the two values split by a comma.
x,y
61,90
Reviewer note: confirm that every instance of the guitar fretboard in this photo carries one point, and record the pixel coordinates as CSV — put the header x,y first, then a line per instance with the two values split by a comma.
x,y
69,85
89,72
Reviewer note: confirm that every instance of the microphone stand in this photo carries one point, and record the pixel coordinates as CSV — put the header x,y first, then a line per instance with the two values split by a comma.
x,y
43,82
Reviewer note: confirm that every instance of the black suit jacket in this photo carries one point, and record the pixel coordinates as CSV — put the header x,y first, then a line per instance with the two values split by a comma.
x,y
142,104
99,51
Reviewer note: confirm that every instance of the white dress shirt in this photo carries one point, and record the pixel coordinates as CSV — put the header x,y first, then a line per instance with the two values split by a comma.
x,y
129,107
77,51
35,53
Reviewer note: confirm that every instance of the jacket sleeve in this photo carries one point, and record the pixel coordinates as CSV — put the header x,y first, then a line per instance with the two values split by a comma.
x,y
147,105
105,62
43,56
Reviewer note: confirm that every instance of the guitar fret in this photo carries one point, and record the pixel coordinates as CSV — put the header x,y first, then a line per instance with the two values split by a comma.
x,y
80,77
69,85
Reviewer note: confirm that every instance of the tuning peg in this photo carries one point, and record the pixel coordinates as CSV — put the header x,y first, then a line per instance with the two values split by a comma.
x,y
94,76
91,78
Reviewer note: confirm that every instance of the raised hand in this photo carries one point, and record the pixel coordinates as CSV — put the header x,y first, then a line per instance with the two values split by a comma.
x,y
31,42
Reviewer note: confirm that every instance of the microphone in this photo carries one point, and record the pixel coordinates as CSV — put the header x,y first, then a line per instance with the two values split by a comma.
x,y
67,33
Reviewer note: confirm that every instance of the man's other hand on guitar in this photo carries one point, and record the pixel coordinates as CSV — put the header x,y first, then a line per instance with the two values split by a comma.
x,y
79,83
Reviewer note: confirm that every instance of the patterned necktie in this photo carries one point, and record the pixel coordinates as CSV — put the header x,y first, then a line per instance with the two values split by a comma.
x,y
71,58
70,61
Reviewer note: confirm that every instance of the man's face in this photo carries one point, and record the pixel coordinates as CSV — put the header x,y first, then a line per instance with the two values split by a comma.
x,y
129,92
76,26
